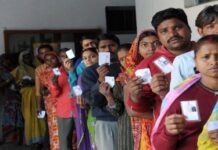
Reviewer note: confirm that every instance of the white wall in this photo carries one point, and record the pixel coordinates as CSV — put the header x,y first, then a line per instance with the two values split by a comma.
x,y
55,14
145,9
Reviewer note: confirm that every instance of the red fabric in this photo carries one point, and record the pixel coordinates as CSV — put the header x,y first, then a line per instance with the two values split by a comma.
x,y
66,105
149,97
134,106
187,140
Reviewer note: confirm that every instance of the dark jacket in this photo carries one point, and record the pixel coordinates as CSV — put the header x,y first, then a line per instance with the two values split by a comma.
x,y
91,94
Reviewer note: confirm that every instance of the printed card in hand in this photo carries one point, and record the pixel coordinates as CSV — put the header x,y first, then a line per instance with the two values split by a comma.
x,y
190,110
145,74
103,58
77,91
164,64
212,125
110,80
70,54
41,114
56,71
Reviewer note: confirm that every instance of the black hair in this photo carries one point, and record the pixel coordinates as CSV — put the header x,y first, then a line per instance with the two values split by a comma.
x,y
91,49
207,16
49,47
86,37
206,39
125,46
62,50
169,13
146,34
108,36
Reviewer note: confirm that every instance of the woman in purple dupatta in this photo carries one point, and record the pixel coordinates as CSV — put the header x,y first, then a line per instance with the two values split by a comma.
x,y
84,138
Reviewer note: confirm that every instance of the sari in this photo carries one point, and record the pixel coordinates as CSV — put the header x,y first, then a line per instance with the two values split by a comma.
x,y
43,77
34,128
11,120
203,140
84,121
141,127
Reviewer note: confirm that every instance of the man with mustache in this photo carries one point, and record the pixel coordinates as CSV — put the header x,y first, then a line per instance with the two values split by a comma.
x,y
174,33
106,124
206,23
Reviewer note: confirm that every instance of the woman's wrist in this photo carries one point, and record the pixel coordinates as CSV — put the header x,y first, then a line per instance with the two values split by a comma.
x,y
110,100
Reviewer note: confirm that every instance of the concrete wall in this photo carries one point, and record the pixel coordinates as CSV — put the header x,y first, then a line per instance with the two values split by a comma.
x,y
56,14
145,9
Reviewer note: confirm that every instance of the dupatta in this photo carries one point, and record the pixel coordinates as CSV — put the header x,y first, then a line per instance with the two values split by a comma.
x,y
204,142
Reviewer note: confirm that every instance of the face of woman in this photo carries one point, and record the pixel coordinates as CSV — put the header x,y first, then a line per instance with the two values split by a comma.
x,y
62,56
207,60
90,58
122,56
51,61
148,45
27,59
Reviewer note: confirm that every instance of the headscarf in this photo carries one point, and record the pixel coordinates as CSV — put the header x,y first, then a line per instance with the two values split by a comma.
x,y
134,58
23,70
51,53
20,59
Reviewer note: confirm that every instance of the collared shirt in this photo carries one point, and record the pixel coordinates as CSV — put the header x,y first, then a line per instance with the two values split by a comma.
x,y
183,68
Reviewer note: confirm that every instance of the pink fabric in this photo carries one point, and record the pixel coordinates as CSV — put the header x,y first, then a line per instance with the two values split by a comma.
x,y
168,101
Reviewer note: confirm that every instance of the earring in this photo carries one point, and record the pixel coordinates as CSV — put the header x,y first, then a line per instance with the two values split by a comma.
x,y
195,70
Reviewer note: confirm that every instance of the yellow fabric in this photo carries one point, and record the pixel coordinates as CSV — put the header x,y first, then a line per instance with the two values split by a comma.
x,y
36,62
35,128
21,71
204,142
145,143
40,69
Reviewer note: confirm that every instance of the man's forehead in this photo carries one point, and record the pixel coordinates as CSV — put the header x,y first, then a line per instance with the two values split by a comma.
x,y
170,22
106,41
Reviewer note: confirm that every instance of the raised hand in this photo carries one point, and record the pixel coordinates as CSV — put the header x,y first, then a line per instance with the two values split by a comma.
x,y
160,84
135,88
102,72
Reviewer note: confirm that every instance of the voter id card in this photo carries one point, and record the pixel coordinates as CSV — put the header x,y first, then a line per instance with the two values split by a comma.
x,y
103,58
190,110
164,64
110,80
56,71
70,54
144,74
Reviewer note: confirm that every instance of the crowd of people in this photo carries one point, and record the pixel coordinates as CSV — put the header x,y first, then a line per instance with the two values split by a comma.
x,y
164,96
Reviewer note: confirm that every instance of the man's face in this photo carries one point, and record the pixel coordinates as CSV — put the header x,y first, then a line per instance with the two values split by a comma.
x,y
107,46
209,29
42,52
88,43
174,34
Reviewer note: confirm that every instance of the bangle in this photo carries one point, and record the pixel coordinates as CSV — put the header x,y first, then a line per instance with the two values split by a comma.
x,y
140,107
112,106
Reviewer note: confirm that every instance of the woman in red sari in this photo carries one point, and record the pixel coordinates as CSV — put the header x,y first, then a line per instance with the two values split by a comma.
x,y
41,79
142,47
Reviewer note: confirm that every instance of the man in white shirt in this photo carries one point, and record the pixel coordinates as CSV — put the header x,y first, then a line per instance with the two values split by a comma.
x,y
184,65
